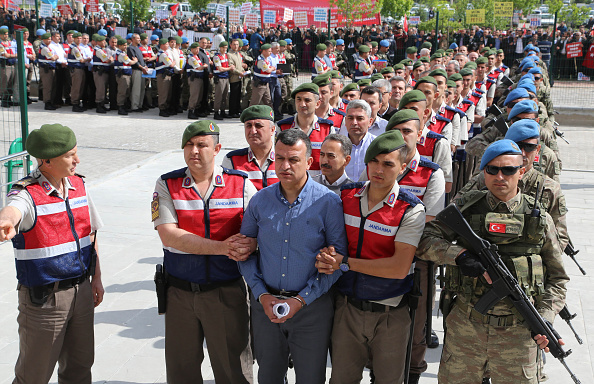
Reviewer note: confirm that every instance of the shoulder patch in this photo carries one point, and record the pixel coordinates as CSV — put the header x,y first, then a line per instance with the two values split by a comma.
x,y
442,118
339,111
355,185
470,198
234,172
424,162
326,121
22,183
345,101
178,173
466,101
450,108
237,152
435,135
460,112
408,197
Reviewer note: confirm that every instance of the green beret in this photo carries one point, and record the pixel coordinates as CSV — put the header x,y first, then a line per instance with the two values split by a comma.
x,y
398,67
499,51
257,112
195,45
306,87
321,47
376,76
364,82
418,64
402,116
121,42
240,41
3,31
333,42
77,34
455,77
411,50
178,39
387,70
426,79
143,36
349,87
484,49
481,60
282,43
449,50
223,44
492,52
25,30
374,44
322,80
94,36
423,59
411,97
426,44
436,56
406,62
363,48
199,128
470,64
46,35
265,46
49,141
163,41
441,51
99,38
385,143
71,32
438,72
451,84
334,74
465,72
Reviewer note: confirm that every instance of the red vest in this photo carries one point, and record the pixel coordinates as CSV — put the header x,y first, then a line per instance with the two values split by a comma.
x,y
342,105
216,218
281,58
66,47
438,123
416,181
464,105
321,129
475,97
29,48
336,116
261,178
54,249
146,51
332,58
314,71
8,47
426,145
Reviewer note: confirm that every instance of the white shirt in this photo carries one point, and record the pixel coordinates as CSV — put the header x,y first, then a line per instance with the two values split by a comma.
x,y
59,51
216,40
376,128
357,164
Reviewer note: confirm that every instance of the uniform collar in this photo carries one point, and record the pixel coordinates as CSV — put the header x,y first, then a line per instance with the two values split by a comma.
x,y
48,188
414,163
252,157
442,108
510,206
338,182
315,126
432,119
423,138
217,179
390,198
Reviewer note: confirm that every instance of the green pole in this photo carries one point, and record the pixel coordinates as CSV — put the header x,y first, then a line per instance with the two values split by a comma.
x,y
22,92
37,14
329,16
434,47
131,16
553,59
227,21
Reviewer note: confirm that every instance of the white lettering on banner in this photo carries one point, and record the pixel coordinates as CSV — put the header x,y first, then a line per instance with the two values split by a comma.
x,y
226,203
316,145
417,191
370,225
47,252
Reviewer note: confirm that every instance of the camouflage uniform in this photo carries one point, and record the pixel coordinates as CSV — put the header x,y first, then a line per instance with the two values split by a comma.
x,y
185,93
288,101
496,342
246,82
342,62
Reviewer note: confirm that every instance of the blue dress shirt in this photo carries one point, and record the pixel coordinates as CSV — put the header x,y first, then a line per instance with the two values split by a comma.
x,y
290,237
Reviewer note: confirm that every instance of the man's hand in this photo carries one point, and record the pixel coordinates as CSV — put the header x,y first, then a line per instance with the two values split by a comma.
x,y
294,305
240,247
268,301
542,342
97,289
7,230
144,70
328,260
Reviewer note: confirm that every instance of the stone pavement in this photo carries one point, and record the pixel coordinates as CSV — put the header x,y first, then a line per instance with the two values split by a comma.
x,y
123,156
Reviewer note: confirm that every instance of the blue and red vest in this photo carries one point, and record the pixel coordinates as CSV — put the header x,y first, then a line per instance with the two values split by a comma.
x,y
438,123
147,53
426,145
261,178
224,64
58,246
72,61
264,77
322,128
314,71
336,116
416,182
377,232
464,105
96,59
342,105
216,218
119,66
360,74
43,62
190,69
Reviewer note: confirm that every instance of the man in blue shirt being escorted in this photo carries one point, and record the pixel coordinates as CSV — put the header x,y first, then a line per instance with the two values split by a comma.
x,y
292,220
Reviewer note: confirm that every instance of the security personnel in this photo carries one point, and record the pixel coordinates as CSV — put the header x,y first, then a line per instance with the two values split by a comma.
x,y
123,69
382,54
101,62
221,76
262,71
325,110
342,61
372,318
52,222
47,64
195,75
290,59
246,81
307,98
257,160
149,57
337,81
204,204
350,92
527,244
363,68
7,61
76,63
164,68
318,65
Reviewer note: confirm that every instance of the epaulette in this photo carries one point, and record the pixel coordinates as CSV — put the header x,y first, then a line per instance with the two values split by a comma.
x,y
491,81
443,118
470,198
345,101
288,120
435,135
466,101
425,162
237,152
234,172
504,66
460,112
408,197
477,94
325,121
355,185
339,111
79,175
175,174
479,91
23,183
450,108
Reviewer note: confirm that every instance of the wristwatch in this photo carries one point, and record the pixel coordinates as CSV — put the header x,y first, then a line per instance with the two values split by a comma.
x,y
344,265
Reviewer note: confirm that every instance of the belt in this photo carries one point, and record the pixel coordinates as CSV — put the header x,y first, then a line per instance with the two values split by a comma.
x,y
282,292
62,284
492,320
368,306
195,287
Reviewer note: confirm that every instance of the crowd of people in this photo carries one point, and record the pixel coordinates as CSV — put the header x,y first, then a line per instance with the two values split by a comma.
x,y
316,237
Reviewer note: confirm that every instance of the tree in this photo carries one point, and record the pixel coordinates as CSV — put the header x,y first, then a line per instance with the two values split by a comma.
x,y
142,10
573,15
351,10
554,6
198,5
396,8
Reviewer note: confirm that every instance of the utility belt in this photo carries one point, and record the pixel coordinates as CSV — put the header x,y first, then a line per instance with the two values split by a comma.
x,y
101,69
492,320
282,292
5,63
194,74
369,306
195,287
41,293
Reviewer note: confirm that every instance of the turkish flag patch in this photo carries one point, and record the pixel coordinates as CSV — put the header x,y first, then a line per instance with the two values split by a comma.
x,y
496,227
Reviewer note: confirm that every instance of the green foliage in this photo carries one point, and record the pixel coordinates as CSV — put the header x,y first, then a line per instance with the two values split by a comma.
x,y
526,5
396,8
573,15
198,5
142,10
352,10
554,6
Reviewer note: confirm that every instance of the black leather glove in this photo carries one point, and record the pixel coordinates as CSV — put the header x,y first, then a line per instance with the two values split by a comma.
x,y
470,264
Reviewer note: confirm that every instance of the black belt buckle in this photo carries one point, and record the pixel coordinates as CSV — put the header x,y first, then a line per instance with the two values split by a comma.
x,y
195,287
367,306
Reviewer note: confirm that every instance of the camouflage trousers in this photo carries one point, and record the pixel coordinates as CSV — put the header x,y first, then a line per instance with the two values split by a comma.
x,y
246,92
471,349
287,99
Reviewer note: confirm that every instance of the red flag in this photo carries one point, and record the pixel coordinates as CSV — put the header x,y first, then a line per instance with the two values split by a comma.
x,y
174,9
405,24
498,228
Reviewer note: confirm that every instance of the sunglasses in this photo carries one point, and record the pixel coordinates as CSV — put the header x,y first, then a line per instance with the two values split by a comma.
x,y
527,147
507,170
536,78
512,104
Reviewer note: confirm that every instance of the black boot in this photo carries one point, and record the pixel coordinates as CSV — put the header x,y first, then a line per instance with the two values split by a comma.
x,y
77,108
49,107
122,111
101,108
413,378
164,113
217,116
223,114
200,113
434,340
192,114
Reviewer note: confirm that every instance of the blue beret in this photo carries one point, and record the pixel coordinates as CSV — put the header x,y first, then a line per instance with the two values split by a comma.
x,y
527,66
184,40
523,130
384,43
453,46
40,32
289,41
536,49
154,37
528,76
527,59
527,85
535,70
340,42
102,32
245,42
524,106
129,36
528,47
517,93
498,148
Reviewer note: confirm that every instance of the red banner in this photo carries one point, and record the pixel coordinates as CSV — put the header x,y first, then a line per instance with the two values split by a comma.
x,y
308,6
65,9
92,6
574,50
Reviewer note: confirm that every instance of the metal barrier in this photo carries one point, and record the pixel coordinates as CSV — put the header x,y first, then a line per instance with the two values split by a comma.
x,y
11,171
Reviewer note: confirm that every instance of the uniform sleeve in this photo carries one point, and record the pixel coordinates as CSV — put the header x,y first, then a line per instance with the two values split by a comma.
x,y
476,147
434,198
76,53
448,132
261,64
411,227
470,114
436,244
249,190
443,157
227,163
558,211
491,91
96,222
481,106
102,55
319,66
216,61
165,209
45,52
24,203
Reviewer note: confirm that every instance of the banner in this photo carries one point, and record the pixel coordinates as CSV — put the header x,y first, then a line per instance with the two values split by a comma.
x,y
308,6
92,6
287,15
53,3
475,16
65,9
234,15
121,31
221,11
161,14
503,9
245,8
251,20
300,19
573,50
321,14
269,17
45,10
534,20
414,20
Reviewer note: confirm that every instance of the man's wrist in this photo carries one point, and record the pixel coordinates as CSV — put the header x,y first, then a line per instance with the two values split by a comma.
x,y
262,294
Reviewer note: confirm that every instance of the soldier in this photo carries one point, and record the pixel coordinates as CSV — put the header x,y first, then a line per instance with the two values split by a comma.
x,y
235,79
363,68
150,58
342,61
246,83
382,54
318,65
76,62
350,92
123,69
324,110
262,70
195,76
222,68
164,68
337,84
101,62
291,59
497,341
388,72
47,64
7,61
